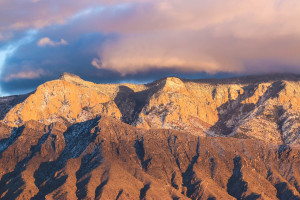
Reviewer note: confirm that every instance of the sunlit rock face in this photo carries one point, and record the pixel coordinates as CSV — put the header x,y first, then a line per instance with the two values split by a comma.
x,y
266,110
263,107
69,99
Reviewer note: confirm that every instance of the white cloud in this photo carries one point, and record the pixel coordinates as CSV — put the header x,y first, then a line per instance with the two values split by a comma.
x,y
47,41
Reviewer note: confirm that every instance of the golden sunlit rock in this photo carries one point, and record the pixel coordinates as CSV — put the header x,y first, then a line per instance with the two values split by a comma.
x,y
267,110
193,139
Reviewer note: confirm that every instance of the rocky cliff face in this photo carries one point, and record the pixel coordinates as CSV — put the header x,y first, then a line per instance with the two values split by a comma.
x,y
263,107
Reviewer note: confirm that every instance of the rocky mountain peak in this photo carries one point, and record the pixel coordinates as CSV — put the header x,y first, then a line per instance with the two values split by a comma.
x,y
72,78
68,100
173,84
69,76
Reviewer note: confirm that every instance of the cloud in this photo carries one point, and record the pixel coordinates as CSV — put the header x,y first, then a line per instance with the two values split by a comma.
x,y
133,55
8,50
123,39
212,36
47,41
17,14
96,63
199,52
25,75
74,58
5,36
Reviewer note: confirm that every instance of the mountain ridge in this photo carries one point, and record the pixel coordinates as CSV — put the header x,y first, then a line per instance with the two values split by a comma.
x,y
198,107
170,139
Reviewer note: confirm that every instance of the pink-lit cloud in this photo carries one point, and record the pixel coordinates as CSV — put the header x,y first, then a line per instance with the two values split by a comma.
x,y
25,75
212,36
47,41
24,14
192,36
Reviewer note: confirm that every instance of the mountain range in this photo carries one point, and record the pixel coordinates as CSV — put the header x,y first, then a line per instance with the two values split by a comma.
x,y
234,138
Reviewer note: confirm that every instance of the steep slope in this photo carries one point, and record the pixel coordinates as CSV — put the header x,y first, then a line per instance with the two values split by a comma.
x,y
107,159
262,107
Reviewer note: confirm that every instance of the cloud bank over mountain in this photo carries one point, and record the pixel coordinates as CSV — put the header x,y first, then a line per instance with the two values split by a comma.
x,y
117,39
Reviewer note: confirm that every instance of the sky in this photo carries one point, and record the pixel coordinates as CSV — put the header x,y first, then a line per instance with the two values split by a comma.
x,y
138,41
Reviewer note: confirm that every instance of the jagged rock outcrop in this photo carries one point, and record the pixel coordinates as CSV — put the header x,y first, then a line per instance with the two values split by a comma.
x,y
107,159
